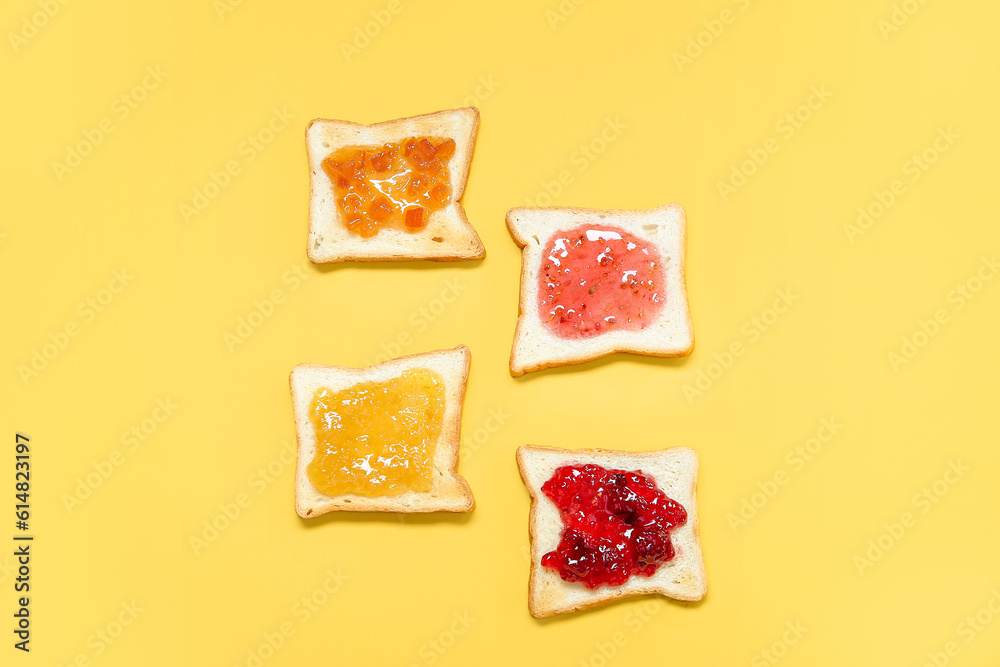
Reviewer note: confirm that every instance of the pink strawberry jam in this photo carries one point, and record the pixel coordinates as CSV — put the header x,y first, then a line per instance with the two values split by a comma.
x,y
616,523
596,279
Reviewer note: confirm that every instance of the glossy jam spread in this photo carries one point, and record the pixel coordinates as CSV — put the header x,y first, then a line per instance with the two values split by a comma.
x,y
377,438
598,279
394,185
616,523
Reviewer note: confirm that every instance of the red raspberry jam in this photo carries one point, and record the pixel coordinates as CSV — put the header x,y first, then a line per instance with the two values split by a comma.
x,y
616,523
595,280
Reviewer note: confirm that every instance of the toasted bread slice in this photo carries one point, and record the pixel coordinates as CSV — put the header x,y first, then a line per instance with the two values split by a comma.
x,y
448,235
674,470
668,335
449,491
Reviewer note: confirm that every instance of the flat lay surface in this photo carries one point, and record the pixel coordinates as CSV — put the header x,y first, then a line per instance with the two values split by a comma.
x,y
837,167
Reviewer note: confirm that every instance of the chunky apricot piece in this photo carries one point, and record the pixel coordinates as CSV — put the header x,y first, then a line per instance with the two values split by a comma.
x,y
416,218
446,150
421,153
381,209
382,160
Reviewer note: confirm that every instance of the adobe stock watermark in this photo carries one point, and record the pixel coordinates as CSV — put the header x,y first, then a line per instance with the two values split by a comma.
x,y
581,158
632,623
957,299
712,29
913,168
555,16
923,502
102,639
121,108
32,24
752,330
899,16
87,311
246,152
475,440
792,635
485,86
363,35
303,610
419,321
796,459
264,308
967,630
223,8
435,647
786,128
131,440
230,511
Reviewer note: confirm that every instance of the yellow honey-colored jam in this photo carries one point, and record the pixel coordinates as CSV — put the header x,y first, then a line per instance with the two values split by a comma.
x,y
377,438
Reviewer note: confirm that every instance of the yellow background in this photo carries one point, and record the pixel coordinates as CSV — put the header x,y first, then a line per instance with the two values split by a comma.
x,y
555,84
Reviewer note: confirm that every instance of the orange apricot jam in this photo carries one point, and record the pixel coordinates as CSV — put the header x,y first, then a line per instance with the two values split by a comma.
x,y
395,185
377,438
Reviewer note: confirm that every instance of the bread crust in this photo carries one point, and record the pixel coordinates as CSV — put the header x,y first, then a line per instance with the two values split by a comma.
x,y
683,578
670,335
329,240
450,492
